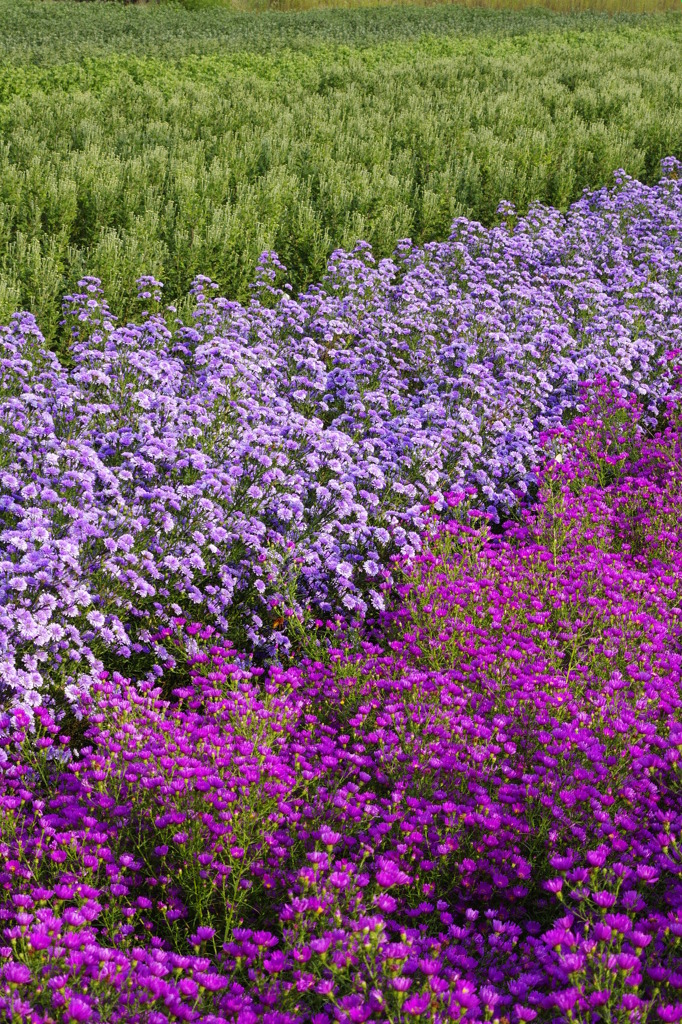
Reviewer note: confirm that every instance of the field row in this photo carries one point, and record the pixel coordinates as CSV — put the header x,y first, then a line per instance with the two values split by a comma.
x,y
187,148
263,462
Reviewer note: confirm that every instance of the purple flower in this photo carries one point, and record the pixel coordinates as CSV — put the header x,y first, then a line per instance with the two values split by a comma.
x,y
417,1004
276,963
670,1013
16,974
567,999
391,875
203,934
78,1010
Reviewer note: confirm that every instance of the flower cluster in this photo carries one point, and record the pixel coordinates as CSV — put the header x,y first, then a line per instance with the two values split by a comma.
x,y
470,811
273,457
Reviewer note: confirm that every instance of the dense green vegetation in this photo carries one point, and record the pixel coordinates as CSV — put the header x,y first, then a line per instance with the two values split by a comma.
x,y
160,140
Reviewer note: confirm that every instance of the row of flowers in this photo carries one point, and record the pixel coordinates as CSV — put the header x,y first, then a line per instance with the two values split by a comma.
x,y
270,459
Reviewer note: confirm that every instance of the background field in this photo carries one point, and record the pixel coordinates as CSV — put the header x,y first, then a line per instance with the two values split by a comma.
x,y
161,140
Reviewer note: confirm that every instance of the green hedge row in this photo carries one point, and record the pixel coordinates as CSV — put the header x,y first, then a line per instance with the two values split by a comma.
x,y
156,140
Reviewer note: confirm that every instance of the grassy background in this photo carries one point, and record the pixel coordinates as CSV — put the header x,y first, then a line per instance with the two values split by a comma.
x,y
558,6
155,139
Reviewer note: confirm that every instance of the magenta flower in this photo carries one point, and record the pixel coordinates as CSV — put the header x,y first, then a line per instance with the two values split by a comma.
x,y
16,974
78,1010
417,1004
389,876
670,1013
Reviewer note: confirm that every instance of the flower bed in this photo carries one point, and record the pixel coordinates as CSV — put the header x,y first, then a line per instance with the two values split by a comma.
x,y
472,812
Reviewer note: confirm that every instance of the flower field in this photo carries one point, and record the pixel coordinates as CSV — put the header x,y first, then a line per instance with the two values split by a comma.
x,y
340,637
267,461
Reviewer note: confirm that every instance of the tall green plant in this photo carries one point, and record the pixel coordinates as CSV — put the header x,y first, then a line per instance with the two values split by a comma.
x,y
169,142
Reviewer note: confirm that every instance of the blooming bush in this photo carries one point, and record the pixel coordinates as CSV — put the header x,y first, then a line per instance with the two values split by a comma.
x,y
273,457
473,812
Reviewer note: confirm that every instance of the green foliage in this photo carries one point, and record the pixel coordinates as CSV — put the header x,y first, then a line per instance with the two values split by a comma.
x,y
159,140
